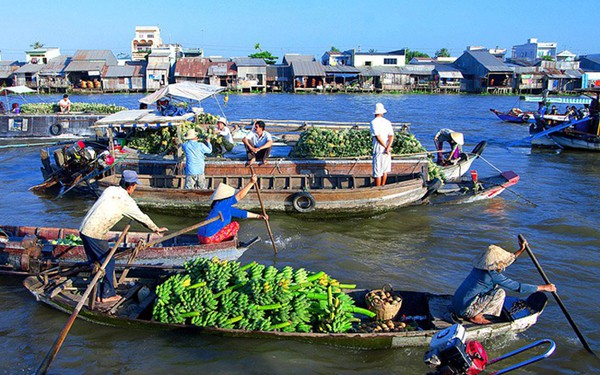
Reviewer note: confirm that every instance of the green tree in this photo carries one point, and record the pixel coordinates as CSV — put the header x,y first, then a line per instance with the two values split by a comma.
x,y
547,58
410,54
333,49
442,53
265,55
37,45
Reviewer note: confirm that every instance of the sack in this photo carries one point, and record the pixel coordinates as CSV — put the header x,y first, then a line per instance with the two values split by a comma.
x,y
384,303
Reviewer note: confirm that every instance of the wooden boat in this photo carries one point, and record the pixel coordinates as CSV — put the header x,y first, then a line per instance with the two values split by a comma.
x,y
294,193
466,191
515,115
30,249
454,171
428,311
577,140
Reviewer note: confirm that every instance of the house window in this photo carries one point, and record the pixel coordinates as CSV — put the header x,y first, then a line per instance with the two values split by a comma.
x,y
368,63
390,61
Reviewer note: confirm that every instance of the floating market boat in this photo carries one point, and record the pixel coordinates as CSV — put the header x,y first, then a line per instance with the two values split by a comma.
x,y
467,190
454,171
423,312
515,115
318,195
32,249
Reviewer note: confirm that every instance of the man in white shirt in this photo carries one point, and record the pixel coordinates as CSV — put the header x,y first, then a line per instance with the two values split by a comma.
x,y
383,138
65,104
258,144
114,203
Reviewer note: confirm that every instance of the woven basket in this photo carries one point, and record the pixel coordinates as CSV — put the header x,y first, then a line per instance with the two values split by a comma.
x,y
384,310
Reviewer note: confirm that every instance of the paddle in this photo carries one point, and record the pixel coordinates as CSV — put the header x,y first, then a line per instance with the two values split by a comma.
x,y
264,212
556,297
141,246
63,334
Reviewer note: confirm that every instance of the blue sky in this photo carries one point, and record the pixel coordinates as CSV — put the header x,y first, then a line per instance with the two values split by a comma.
x,y
232,28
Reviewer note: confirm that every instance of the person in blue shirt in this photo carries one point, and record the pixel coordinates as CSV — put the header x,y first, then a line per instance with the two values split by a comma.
x,y
482,293
224,198
194,160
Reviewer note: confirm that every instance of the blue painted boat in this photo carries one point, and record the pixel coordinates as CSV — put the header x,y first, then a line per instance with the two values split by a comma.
x,y
515,117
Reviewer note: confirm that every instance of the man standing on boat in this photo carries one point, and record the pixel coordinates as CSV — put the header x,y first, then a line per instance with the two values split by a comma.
x,y
454,139
383,138
194,160
481,292
114,203
258,144
64,104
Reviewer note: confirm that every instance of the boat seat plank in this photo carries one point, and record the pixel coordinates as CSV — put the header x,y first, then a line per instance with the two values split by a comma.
x,y
439,308
134,313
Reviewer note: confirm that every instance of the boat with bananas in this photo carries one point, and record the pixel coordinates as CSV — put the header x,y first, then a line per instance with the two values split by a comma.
x,y
216,297
317,195
30,250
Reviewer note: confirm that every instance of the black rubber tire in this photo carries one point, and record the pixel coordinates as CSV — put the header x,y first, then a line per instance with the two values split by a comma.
x,y
56,129
303,202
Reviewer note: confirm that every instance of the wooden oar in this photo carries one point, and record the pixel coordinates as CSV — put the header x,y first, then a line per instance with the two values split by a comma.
x,y
264,212
63,334
556,297
141,246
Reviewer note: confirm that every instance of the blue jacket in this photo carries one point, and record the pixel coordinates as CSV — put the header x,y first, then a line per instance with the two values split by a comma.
x,y
194,156
225,206
480,282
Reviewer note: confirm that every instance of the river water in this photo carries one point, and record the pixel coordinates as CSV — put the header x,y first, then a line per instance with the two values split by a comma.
x,y
427,248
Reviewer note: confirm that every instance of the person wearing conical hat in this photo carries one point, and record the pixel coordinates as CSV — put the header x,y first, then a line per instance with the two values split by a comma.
x,y
223,200
383,138
454,139
482,293
194,160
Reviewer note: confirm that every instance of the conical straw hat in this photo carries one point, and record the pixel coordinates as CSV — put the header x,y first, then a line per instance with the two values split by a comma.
x,y
458,138
223,191
494,258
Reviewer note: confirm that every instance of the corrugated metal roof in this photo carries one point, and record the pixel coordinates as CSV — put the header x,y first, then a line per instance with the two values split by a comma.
x,y
29,68
221,69
249,61
159,65
8,62
489,61
456,74
119,71
308,68
219,59
332,69
417,69
195,67
6,71
95,55
84,66
572,73
292,57
56,66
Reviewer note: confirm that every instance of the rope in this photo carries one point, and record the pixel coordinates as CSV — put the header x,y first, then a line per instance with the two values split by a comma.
x,y
510,190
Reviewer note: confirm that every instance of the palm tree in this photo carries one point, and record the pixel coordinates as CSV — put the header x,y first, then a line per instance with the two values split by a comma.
x,y
37,45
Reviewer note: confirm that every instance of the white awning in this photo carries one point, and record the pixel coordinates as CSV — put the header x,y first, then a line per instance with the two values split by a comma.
x,y
18,90
455,74
141,118
183,90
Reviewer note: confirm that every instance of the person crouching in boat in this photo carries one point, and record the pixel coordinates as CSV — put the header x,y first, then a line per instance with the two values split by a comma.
x,y
114,203
481,292
454,139
223,200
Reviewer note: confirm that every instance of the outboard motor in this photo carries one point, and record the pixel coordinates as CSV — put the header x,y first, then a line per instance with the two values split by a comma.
x,y
450,354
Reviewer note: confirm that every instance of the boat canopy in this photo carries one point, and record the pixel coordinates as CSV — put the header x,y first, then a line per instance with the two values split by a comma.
x,y
141,118
183,91
18,90
558,100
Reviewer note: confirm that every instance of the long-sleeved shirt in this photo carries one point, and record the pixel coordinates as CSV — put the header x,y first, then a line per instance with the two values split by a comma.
x,y
225,206
480,282
114,204
194,156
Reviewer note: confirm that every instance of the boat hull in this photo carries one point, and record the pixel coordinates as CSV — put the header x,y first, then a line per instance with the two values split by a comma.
x,y
576,142
463,191
34,126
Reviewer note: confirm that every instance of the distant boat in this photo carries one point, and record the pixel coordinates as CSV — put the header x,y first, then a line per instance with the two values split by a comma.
x,y
515,115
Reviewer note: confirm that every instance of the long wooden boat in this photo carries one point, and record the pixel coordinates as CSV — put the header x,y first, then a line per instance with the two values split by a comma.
x,y
294,193
427,311
466,191
53,125
512,116
454,172
31,249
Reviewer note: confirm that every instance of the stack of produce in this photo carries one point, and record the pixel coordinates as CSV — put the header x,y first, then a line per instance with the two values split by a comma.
x,y
48,108
224,294
69,240
319,143
164,140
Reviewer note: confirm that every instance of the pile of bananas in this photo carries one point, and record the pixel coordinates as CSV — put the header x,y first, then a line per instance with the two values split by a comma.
x,y
48,108
225,294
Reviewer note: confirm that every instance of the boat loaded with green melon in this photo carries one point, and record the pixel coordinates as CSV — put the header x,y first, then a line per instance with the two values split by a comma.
x,y
213,296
